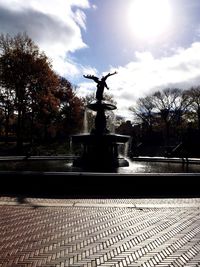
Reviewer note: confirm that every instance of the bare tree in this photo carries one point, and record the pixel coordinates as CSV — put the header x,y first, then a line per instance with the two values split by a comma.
x,y
194,99
143,111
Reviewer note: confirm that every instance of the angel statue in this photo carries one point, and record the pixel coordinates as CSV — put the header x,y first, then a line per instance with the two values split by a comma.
x,y
101,83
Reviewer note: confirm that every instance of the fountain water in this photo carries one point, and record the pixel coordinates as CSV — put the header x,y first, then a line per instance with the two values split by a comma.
x,y
85,122
126,149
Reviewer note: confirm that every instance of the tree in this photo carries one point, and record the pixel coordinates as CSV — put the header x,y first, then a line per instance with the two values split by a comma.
x,y
163,115
143,111
171,103
70,117
194,100
7,107
43,102
27,72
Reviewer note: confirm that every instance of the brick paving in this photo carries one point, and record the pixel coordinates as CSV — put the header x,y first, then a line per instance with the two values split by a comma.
x,y
99,232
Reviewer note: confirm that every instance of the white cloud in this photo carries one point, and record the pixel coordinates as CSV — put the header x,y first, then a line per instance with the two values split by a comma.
x,y
63,67
89,70
86,88
54,25
141,77
80,18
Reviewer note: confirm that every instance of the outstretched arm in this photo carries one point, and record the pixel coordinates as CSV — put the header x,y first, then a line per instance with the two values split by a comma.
x,y
109,74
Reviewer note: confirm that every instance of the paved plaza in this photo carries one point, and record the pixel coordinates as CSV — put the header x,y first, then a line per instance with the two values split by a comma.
x,y
99,232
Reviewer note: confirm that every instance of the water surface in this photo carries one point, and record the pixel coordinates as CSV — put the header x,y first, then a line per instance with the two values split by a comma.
x,y
66,166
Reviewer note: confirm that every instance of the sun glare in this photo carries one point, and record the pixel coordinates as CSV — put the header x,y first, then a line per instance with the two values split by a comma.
x,y
149,18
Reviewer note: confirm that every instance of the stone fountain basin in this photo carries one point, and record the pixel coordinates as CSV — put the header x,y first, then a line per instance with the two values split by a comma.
x,y
101,106
53,176
105,138
100,151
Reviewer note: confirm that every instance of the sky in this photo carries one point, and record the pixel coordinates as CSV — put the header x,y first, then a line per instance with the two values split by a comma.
x,y
152,44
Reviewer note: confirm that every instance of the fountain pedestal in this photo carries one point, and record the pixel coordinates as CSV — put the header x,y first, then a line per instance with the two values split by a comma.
x,y
100,147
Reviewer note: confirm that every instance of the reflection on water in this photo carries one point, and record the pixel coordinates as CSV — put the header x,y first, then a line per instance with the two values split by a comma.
x,y
160,167
66,166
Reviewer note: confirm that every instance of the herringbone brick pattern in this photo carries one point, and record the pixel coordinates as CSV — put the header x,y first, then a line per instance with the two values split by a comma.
x,y
88,236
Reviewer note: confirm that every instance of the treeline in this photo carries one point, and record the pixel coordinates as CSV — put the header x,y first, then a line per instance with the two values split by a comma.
x,y
36,104
170,118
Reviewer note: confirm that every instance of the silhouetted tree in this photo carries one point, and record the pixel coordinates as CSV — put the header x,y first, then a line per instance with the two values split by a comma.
x,y
71,108
143,111
194,98
7,108
171,103
42,99
27,73
165,109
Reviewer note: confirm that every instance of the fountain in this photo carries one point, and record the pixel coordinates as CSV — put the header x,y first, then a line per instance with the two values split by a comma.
x,y
99,170
100,147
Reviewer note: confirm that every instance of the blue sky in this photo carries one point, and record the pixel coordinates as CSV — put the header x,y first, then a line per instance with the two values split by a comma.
x,y
152,44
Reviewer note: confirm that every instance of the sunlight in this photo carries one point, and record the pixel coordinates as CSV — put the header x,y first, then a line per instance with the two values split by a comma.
x,y
149,18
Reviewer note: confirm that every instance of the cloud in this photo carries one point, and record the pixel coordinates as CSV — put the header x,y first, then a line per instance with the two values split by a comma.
x,y
141,77
80,18
147,74
54,25
86,88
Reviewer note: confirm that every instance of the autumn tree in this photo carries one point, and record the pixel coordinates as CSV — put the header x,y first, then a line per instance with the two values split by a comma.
x,y
43,102
71,109
27,72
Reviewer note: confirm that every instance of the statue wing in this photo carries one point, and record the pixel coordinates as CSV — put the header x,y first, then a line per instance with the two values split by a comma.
x,y
94,78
